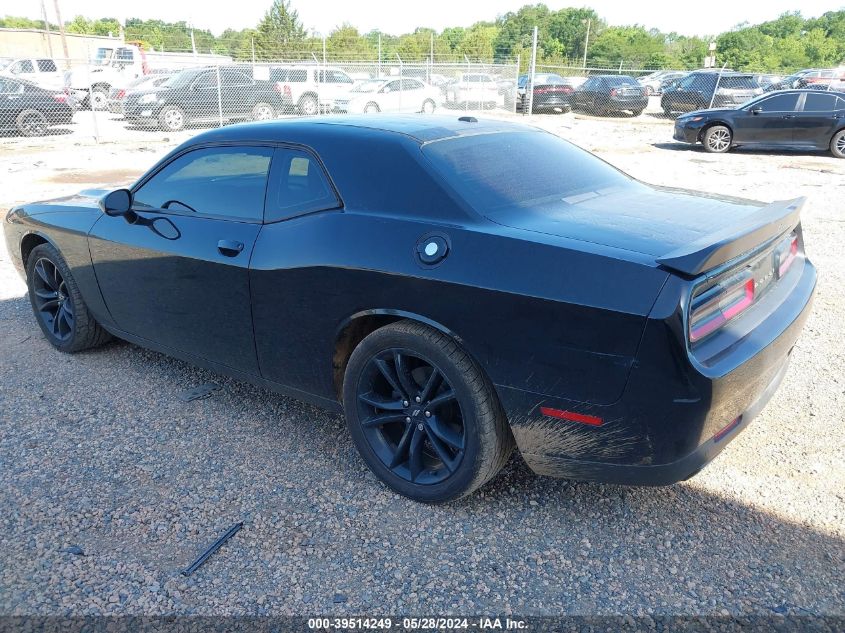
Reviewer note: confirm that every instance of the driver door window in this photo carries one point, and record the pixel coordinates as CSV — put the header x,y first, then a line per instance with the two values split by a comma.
x,y
225,182
778,103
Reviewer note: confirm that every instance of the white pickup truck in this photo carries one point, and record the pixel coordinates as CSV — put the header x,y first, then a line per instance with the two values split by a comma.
x,y
123,63
473,88
42,71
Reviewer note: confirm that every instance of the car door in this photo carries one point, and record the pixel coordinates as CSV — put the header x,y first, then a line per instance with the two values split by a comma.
x,y
201,99
237,93
822,114
178,274
412,96
768,121
389,99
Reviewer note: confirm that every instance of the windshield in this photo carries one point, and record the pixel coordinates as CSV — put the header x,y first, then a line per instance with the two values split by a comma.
x,y
543,172
368,86
738,83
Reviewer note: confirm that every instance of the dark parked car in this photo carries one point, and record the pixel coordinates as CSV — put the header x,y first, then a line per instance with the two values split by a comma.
x,y
29,109
801,119
698,89
451,303
192,96
551,93
606,94
117,95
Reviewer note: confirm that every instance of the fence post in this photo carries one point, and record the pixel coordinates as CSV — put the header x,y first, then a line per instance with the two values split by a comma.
x,y
219,97
469,70
90,90
718,81
532,68
401,73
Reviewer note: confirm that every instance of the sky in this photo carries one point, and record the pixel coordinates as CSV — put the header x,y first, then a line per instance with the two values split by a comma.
x,y
401,16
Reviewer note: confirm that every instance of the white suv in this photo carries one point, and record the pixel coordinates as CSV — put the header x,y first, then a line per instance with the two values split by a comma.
x,y
475,88
310,89
42,71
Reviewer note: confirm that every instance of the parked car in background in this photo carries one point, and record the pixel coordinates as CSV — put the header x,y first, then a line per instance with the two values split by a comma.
x,y
191,96
473,88
41,71
29,109
765,80
310,89
800,119
456,287
550,93
389,95
608,94
117,95
702,88
654,83
831,79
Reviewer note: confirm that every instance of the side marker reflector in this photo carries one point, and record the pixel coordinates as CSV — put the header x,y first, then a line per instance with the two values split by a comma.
x,y
571,416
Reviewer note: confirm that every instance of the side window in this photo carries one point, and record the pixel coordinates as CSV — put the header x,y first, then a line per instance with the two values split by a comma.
x,y
47,66
393,86
23,66
215,181
297,186
338,77
298,75
820,102
231,78
411,84
208,80
779,103
7,86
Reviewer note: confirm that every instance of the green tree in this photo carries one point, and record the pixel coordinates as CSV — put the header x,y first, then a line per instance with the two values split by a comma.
x,y
280,32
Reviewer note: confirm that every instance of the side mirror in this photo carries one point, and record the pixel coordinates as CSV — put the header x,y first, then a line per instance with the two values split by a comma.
x,y
756,110
117,203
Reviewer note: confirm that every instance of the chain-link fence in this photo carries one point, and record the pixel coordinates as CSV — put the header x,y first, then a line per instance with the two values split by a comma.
x,y
121,89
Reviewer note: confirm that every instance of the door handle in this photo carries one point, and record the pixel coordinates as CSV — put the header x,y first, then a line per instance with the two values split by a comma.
x,y
230,248
788,116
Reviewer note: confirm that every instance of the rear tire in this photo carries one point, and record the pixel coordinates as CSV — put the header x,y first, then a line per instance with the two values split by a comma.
x,y
717,139
837,144
434,449
57,303
98,99
31,123
371,108
429,106
308,105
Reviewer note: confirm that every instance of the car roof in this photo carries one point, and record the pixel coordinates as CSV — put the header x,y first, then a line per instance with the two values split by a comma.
x,y
421,128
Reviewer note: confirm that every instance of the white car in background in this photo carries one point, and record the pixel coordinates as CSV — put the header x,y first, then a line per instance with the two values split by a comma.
x,y
389,95
475,88
43,72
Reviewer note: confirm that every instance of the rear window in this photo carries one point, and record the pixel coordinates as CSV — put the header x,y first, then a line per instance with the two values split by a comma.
x,y
541,168
621,81
47,66
738,83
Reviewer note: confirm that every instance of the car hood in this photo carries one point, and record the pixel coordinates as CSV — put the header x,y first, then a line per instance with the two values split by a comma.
x,y
640,218
84,200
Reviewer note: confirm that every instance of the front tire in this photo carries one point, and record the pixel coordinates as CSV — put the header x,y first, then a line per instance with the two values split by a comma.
x,y
308,105
172,119
837,144
717,139
57,303
31,123
98,99
371,108
423,415
429,106
263,111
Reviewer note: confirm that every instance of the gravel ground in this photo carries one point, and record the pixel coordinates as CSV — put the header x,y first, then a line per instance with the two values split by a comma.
x,y
99,455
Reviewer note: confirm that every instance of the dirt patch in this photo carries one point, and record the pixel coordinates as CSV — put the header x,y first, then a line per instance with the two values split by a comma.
x,y
76,176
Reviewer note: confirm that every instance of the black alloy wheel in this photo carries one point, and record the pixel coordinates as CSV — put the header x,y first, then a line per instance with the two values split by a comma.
x,y
411,416
51,301
57,303
423,414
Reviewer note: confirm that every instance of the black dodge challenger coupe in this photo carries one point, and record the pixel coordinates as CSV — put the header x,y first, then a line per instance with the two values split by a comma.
x,y
454,286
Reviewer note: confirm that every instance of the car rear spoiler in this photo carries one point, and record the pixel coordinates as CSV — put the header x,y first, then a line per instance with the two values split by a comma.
x,y
713,250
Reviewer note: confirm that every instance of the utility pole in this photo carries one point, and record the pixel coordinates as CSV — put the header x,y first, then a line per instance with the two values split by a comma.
x,y
379,55
62,32
587,42
47,29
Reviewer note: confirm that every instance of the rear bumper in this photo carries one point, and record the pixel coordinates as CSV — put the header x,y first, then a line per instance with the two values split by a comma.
x,y
673,418
627,104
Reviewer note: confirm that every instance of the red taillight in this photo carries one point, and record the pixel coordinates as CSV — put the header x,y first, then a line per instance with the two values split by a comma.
x,y
786,254
61,97
613,92
541,91
121,94
719,304
566,90
560,414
